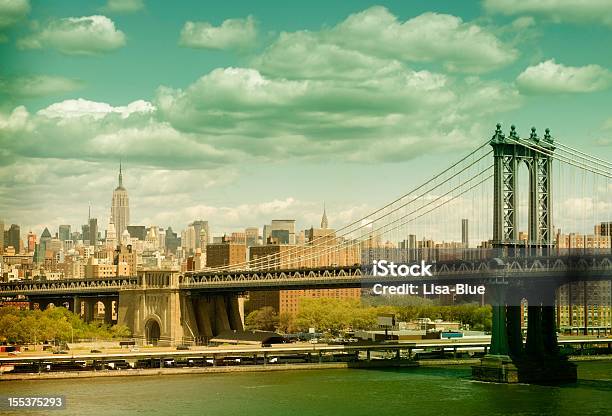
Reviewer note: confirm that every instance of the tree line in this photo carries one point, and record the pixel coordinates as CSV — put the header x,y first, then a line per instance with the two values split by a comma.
x,y
337,315
53,324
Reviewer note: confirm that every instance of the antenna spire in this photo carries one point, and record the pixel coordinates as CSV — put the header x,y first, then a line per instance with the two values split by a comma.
x,y
120,174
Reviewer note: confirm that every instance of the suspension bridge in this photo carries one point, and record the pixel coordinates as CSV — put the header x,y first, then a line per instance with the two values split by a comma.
x,y
539,213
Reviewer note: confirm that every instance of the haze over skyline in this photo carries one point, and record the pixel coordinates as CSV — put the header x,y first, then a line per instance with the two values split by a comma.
x,y
240,113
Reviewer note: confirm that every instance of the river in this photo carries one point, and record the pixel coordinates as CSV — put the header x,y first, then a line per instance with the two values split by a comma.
x,y
419,391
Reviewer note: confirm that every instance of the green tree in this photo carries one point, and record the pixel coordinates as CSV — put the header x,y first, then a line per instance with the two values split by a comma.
x,y
264,319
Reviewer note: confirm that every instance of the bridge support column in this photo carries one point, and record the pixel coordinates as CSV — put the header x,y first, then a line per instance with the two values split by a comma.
x,y
497,365
539,361
551,347
202,308
108,311
535,336
236,318
76,305
513,324
221,318
88,309
499,332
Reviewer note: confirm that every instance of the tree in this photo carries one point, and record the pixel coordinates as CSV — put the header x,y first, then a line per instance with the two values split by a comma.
x,y
264,319
28,326
286,323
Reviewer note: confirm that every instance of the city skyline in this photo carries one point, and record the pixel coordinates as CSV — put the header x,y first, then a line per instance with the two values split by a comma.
x,y
70,110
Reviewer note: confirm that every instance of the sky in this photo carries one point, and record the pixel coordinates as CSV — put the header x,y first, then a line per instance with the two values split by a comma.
x,y
243,112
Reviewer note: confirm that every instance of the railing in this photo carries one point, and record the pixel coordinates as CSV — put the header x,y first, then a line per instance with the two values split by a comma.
x,y
111,284
596,266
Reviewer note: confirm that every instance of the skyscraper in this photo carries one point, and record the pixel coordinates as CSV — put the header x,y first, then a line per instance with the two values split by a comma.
x,y
93,231
172,240
120,209
202,233
14,237
64,232
41,248
324,223
1,236
31,242
465,239
252,236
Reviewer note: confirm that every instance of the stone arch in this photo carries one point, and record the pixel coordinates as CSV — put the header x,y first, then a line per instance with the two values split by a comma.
x,y
153,330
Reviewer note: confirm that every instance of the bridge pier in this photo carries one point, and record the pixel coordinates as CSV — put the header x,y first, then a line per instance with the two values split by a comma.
x,y
158,304
108,311
513,323
202,314
507,360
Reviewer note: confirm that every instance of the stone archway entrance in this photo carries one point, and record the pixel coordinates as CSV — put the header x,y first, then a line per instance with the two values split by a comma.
x,y
152,332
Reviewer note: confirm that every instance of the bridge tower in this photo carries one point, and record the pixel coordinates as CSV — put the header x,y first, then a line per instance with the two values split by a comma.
x,y
508,153
508,360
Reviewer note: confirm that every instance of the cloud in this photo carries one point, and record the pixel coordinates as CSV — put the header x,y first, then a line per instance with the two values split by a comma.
x,y
430,37
309,99
96,110
123,6
29,86
89,35
574,11
12,11
362,119
550,77
94,131
232,34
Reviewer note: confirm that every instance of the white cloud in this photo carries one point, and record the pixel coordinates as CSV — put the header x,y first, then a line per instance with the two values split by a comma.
x,y
430,37
37,85
12,11
232,34
576,11
88,35
550,77
123,6
83,108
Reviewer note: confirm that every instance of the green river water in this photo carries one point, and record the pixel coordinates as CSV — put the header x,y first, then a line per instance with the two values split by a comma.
x,y
418,391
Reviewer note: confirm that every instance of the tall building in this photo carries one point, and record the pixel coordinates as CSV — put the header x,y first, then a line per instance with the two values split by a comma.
x,y
111,234
14,237
136,231
465,238
605,229
584,307
85,234
266,233
31,242
282,231
225,254
172,240
202,233
126,260
64,232
252,236
188,239
1,237
41,249
324,223
93,231
120,208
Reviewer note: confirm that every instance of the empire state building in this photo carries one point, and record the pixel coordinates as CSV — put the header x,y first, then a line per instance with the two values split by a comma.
x,y
120,209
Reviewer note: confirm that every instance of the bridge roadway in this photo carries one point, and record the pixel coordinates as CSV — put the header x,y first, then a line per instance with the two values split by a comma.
x,y
283,349
558,268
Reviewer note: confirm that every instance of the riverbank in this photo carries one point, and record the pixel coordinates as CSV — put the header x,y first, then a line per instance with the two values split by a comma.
x,y
260,368
204,370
